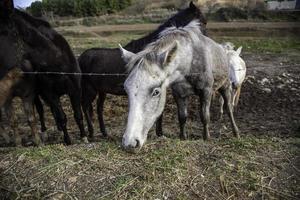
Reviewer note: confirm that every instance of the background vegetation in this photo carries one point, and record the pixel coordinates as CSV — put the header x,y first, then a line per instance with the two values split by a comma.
x,y
99,12
78,7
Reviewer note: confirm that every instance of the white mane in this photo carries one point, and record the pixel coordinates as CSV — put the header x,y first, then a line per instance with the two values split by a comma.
x,y
166,39
192,27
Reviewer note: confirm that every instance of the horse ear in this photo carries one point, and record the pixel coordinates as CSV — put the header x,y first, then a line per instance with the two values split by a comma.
x,y
239,50
126,55
166,57
192,5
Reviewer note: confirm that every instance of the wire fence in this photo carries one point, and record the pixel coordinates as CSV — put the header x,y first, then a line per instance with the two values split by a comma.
x,y
74,73
95,74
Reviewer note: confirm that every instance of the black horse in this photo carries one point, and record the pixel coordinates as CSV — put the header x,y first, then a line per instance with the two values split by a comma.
x,y
109,61
39,48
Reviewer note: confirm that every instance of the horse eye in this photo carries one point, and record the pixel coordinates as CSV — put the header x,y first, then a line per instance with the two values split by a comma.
x,y
156,92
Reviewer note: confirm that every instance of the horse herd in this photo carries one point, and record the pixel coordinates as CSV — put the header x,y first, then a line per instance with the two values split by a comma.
x,y
37,62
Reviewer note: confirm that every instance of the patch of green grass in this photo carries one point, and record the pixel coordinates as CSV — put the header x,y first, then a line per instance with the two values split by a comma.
x,y
264,44
51,153
82,41
103,40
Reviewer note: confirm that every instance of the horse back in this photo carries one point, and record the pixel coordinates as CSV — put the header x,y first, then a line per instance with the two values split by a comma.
x,y
210,64
102,60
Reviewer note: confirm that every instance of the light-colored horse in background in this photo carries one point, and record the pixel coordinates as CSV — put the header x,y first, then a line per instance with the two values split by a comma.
x,y
237,72
184,59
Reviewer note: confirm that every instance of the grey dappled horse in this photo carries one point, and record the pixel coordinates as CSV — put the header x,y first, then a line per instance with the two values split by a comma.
x,y
108,61
184,59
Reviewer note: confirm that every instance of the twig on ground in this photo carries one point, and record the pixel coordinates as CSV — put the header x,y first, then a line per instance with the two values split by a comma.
x,y
20,158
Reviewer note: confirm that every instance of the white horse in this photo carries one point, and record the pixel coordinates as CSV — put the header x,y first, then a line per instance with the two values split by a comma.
x,y
237,72
184,59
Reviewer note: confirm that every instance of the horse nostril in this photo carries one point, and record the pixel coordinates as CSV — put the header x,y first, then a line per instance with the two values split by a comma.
x,y
138,144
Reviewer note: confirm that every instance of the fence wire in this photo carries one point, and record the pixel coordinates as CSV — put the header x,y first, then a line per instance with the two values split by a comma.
x,y
95,74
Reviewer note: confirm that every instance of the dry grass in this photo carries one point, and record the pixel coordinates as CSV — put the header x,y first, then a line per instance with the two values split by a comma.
x,y
164,169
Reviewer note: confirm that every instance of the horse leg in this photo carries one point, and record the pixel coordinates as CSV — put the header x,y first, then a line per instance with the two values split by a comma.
x,y
40,111
59,128
31,120
60,117
13,122
159,131
2,130
88,120
182,114
226,94
100,105
91,111
4,135
86,108
76,105
205,100
88,97
221,101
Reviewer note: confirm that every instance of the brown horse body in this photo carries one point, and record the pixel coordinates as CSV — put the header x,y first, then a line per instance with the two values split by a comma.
x,y
12,85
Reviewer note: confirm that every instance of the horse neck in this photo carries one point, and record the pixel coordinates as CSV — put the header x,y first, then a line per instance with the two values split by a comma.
x,y
136,46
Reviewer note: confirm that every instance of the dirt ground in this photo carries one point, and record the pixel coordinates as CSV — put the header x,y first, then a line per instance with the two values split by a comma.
x,y
269,103
264,164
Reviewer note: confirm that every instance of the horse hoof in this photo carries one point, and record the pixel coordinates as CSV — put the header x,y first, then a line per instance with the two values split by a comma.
x,y
162,138
105,135
37,141
206,137
40,144
91,138
183,137
5,136
18,142
237,135
67,142
18,145
44,136
160,135
85,140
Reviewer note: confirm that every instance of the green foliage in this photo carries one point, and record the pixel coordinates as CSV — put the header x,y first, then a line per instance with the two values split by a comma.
x,y
259,13
78,7
36,8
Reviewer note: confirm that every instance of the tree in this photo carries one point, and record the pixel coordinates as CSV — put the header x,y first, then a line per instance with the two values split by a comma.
x,y
36,9
79,7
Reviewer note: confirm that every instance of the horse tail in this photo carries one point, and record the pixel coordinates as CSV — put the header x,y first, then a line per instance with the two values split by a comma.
x,y
237,95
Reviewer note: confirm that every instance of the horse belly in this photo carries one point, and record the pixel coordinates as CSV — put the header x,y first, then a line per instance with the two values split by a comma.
x,y
183,89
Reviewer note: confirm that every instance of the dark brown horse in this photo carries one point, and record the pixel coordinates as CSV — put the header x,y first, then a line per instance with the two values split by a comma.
x,y
31,45
13,62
